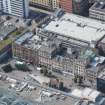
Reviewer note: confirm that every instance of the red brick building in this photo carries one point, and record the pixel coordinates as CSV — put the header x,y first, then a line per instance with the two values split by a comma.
x,y
66,5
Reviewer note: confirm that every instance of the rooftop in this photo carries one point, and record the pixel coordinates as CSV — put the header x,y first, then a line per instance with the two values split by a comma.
x,y
77,27
102,75
103,40
37,16
8,97
24,37
5,29
97,60
86,93
37,42
87,54
99,6
96,65
17,32
50,45
4,43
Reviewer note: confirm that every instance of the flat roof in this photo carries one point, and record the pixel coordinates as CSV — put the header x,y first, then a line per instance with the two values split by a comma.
x,y
5,29
102,75
4,43
78,27
24,37
99,6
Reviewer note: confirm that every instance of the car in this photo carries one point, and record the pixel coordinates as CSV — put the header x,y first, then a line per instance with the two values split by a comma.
x,y
57,71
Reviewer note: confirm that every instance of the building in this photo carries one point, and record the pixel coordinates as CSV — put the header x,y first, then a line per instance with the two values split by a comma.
x,y
5,29
52,51
5,50
41,3
45,4
91,2
97,11
5,43
66,5
47,52
18,8
81,7
75,59
67,50
101,82
0,6
95,67
55,4
101,47
25,51
84,31
42,51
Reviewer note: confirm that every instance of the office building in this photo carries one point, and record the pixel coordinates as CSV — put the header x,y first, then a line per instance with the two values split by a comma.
x,y
40,3
0,5
101,82
91,2
5,43
97,11
81,7
26,51
66,5
55,4
45,4
18,8
101,47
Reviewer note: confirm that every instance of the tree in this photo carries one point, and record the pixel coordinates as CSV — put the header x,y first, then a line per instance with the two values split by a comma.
x,y
7,68
49,74
61,85
22,67
75,80
41,71
8,18
45,72
78,79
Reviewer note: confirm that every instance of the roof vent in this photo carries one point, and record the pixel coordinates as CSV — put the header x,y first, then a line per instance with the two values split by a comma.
x,y
101,3
81,25
57,25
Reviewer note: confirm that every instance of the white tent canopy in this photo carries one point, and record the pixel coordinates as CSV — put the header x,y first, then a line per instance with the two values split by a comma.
x,y
87,93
